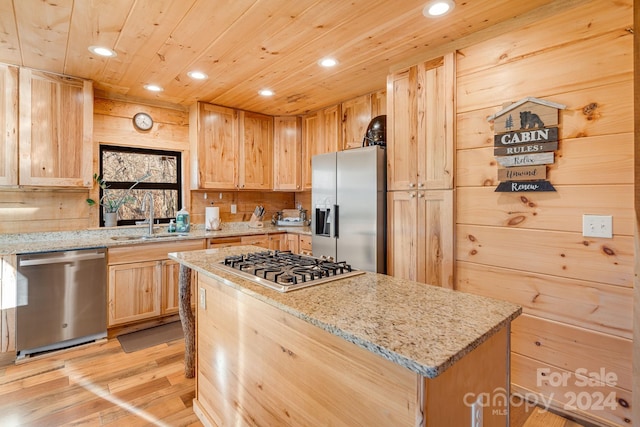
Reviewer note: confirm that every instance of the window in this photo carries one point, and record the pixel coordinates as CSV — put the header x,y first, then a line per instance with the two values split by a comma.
x,y
121,167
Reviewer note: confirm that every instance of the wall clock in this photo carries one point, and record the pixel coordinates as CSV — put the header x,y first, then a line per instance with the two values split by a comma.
x,y
142,121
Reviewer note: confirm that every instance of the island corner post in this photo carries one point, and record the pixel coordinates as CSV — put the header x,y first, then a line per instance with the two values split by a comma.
x,y
187,319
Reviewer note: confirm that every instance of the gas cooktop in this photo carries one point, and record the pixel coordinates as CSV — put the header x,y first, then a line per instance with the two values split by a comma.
x,y
285,271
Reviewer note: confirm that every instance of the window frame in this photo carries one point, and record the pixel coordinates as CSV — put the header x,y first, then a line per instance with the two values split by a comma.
x,y
118,185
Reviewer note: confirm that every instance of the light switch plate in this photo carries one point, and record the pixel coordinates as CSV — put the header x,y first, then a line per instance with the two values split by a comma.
x,y
203,298
234,209
597,226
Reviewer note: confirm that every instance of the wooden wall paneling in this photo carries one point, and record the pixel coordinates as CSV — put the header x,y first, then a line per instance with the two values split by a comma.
x,y
591,111
561,395
8,125
635,405
586,304
607,58
545,210
601,160
245,202
592,351
575,23
549,252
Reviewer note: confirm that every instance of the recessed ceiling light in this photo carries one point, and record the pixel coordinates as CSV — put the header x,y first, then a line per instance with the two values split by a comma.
x,y
437,8
266,92
102,51
328,62
153,88
197,75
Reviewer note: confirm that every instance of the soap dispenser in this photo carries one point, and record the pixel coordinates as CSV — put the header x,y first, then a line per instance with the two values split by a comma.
x,y
183,224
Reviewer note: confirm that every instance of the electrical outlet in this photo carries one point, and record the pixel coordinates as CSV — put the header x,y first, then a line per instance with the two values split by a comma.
x,y
476,413
597,226
203,298
234,209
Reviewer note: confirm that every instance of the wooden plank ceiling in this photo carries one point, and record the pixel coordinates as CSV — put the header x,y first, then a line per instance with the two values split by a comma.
x,y
243,45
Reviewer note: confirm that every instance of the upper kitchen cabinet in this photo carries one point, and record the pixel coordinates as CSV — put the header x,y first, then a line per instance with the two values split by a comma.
x,y
255,166
287,148
320,134
230,149
356,115
9,125
420,126
56,126
214,146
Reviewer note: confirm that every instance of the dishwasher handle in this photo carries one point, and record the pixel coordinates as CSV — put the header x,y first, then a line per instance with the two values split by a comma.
x,y
66,258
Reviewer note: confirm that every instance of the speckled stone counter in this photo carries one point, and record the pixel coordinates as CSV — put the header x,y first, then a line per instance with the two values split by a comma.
x,y
423,328
104,237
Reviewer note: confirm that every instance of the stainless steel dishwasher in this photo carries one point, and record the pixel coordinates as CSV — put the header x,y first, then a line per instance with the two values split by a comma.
x,y
61,299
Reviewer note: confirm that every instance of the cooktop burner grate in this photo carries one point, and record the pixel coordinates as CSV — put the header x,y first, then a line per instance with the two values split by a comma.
x,y
285,271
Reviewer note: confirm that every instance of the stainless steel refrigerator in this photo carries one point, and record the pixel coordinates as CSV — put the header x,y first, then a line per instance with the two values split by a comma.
x,y
348,207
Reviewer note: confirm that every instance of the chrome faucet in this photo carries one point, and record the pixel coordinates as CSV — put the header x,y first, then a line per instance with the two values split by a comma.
x,y
149,196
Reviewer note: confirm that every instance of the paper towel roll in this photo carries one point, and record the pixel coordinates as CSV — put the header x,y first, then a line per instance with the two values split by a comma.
x,y
211,213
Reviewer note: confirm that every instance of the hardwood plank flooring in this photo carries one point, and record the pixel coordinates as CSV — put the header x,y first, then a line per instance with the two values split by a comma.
x,y
100,385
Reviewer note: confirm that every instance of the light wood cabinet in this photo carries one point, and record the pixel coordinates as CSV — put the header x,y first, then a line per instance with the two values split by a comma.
x,y
278,242
420,237
420,126
230,149
8,125
292,243
287,148
143,282
224,242
305,244
134,291
255,158
214,146
320,134
8,291
357,114
56,127
261,240
171,287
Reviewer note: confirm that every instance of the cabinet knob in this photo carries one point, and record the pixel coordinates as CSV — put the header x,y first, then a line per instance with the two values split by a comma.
x,y
420,195
421,184
412,195
411,185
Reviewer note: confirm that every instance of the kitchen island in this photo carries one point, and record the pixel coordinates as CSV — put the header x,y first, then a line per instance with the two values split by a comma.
x,y
366,350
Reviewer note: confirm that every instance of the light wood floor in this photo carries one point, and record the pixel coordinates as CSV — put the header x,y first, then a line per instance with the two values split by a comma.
x,y
101,385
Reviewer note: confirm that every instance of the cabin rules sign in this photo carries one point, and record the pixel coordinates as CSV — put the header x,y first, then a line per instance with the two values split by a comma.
x,y
525,142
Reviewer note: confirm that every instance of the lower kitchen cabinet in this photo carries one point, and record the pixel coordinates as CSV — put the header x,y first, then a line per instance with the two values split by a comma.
x,y
143,282
292,243
171,287
256,240
305,244
420,236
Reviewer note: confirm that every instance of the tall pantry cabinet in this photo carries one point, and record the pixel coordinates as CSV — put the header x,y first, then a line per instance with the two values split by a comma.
x,y
420,146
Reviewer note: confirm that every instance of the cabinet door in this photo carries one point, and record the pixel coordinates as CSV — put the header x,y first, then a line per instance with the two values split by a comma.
x,y
224,242
305,245
287,147
292,243
171,287
261,240
435,237
310,140
56,126
378,103
356,115
278,242
8,125
402,138
134,291
216,153
402,235
256,152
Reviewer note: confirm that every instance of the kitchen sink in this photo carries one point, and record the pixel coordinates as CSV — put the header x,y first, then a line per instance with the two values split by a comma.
x,y
120,238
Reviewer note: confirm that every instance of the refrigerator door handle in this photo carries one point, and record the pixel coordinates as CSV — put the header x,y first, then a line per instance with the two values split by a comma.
x,y
335,221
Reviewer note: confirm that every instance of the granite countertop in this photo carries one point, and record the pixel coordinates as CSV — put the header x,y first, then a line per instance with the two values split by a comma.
x,y
421,327
104,237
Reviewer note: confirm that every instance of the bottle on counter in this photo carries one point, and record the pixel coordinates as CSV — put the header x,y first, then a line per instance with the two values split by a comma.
x,y
183,224
172,226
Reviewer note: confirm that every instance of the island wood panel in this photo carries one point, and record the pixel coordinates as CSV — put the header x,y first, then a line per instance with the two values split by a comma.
x,y
557,253
559,394
8,125
546,340
607,57
590,305
581,23
606,159
592,111
545,210
255,362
